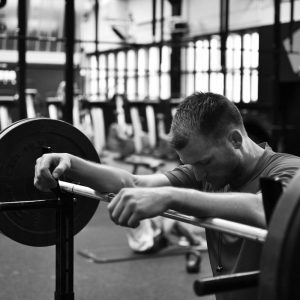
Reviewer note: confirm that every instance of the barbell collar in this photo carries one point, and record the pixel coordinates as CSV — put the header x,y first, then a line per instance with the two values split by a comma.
x,y
224,283
237,229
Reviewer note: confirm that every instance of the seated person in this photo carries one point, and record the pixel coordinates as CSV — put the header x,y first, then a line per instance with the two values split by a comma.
x,y
219,178
121,133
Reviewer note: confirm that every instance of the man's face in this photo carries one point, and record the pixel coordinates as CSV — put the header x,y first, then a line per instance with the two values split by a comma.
x,y
217,162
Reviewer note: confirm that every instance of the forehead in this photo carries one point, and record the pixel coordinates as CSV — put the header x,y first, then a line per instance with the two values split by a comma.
x,y
198,148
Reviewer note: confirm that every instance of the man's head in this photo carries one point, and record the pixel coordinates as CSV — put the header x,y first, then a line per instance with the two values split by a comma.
x,y
207,132
209,114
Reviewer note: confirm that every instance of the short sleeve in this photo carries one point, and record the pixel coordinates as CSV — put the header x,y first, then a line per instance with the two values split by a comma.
x,y
183,176
285,169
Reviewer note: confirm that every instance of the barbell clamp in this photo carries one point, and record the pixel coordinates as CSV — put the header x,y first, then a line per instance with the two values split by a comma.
x,y
223,283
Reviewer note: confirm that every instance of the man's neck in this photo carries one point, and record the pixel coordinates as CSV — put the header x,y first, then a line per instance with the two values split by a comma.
x,y
251,156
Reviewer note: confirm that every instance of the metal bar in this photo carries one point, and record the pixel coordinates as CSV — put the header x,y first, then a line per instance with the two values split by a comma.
x,y
64,285
291,24
278,126
97,48
224,27
241,230
69,72
57,39
22,24
224,283
32,204
153,19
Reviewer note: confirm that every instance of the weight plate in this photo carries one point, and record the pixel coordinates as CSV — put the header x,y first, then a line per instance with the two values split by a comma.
x,y
20,145
280,266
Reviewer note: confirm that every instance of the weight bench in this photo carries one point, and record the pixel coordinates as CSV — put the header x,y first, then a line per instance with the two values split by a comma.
x,y
144,161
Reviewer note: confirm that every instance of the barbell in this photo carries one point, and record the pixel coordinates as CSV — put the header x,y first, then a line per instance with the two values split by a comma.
x,y
28,215
241,230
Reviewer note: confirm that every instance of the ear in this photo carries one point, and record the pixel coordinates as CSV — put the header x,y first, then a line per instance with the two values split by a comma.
x,y
236,138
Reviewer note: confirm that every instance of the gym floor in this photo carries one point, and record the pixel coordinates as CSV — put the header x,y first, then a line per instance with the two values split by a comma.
x,y
28,273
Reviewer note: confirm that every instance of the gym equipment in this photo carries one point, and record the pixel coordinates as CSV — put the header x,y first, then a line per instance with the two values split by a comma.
x,y
242,230
28,216
21,144
6,103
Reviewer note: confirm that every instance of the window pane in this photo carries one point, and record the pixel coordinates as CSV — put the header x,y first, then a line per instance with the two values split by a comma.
x,y
236,87
131,86
141,87
154,87
141,61
229,52
102,66
190,84
153,59
255,49
190,57
246,86
111,87
216,83
202,55
215,57
237,51
254,86
121,63
111,61
166,57
121,85
202,82
247,52
131,62
165,86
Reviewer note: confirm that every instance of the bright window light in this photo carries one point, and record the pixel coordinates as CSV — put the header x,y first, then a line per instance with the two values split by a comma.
x,y
254,86
216,82
246,86
202,82
215,57
166,57
141,62
153,59
165,86
154,87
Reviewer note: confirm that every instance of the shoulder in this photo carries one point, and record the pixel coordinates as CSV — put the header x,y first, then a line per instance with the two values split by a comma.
x,y
282,166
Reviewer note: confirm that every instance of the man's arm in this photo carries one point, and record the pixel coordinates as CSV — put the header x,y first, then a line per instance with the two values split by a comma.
x,y
132,205
102,178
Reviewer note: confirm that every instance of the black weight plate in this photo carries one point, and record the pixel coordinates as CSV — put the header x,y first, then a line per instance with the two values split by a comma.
x,y
20,145
280,264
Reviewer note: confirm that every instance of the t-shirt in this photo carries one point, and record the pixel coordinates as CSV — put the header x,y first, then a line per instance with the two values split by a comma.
x,y
236,254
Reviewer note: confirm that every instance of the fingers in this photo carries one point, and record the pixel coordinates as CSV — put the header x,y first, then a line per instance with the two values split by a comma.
x,y
60,169
122,210
44,180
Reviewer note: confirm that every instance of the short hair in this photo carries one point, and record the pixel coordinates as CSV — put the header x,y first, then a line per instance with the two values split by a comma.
x,y
208,113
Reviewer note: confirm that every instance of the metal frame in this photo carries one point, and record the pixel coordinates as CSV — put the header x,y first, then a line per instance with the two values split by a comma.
x,y
64,247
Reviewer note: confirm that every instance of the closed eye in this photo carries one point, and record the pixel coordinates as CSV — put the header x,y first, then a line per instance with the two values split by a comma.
x,y
204,162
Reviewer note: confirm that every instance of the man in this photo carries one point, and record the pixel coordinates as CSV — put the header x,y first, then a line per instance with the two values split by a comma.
x,y
219,178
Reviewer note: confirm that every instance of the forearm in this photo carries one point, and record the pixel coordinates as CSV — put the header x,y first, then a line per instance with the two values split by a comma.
x,y
239,207
100,177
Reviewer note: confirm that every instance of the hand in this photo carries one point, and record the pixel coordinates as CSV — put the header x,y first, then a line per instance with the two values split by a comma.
x,y
131,205
44,178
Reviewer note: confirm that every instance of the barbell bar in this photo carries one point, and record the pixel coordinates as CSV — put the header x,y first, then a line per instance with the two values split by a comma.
x,y
237,229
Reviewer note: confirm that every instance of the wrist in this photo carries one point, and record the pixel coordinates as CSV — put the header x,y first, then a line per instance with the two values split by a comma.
x,y
170,198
